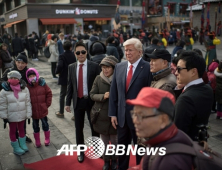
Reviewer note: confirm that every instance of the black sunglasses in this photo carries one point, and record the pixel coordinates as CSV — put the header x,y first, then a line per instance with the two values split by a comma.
x,y
179,69
78,52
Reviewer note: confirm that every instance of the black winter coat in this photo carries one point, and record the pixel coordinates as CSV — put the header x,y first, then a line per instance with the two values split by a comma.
x,y
112,50
17,45
98,58
62,69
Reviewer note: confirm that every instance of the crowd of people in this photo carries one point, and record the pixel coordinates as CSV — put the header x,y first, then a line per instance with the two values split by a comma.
x,y
154,98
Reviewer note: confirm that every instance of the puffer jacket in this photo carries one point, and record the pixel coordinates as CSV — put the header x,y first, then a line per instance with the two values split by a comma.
x,y
13,109
218,86
41,97
211,76
53,49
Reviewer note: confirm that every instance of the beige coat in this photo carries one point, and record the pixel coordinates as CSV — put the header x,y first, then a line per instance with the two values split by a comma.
x,y
13,109
53,49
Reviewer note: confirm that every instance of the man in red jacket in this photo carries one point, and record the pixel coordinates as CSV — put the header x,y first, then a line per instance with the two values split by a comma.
x,y
152,117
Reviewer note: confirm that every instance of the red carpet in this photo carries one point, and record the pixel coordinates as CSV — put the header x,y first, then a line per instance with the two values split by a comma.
x,y
63,162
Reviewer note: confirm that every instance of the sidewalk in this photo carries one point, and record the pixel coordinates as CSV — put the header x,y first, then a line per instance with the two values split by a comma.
x,y
63,130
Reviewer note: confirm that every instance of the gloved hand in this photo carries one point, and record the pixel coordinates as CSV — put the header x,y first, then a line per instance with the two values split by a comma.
x,y
5,86
29,121
42,81
5,122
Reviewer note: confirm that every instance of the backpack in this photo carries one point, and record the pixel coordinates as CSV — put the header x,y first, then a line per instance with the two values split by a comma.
x,y
47,52
204,158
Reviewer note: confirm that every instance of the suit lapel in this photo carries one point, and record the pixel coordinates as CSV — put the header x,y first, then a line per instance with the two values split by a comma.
x,y
74,73
139,68
88,70
124,75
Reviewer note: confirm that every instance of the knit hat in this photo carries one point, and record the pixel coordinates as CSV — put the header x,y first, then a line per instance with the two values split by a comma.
x,y
22,57
109,61
14,74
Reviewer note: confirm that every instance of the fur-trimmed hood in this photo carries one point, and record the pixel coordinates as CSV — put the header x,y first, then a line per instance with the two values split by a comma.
x,y
217,74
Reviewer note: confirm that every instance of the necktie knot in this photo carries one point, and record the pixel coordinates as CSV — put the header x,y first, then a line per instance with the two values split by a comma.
x,y
131,66
81,65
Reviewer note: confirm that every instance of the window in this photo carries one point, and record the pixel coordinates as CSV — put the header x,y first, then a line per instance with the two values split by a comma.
x,y
183,8
172,7
8,5
2,9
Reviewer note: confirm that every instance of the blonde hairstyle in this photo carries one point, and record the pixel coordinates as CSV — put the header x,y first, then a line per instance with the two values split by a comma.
x,y
134,41
61,34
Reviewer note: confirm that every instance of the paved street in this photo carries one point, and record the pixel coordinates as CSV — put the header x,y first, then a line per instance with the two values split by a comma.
x,y
63,131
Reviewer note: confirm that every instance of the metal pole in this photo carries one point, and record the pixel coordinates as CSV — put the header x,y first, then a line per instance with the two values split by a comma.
x,y
131,27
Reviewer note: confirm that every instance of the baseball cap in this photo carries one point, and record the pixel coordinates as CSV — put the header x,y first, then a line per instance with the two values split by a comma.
x,y
160,53
155,98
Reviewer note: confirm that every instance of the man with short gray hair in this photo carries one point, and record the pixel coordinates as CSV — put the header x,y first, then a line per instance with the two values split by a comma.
x,y
128,79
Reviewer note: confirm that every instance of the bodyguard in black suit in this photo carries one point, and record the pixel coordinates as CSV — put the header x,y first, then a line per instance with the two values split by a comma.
x,y
81,76
128,79
65,60
193,107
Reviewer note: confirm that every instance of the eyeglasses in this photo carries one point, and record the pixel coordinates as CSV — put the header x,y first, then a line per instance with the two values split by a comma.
x,y
140,118
179,69
82,52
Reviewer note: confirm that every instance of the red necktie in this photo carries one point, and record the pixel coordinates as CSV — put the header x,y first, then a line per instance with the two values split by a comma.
x,y
129,77
80,82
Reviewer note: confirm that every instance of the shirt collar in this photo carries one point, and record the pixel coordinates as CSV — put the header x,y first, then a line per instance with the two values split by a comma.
x,y
85,62
134,64
194,82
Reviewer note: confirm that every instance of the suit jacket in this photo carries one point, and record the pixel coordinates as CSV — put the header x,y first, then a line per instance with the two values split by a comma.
x,y
60,47
64,60
93,70
192,108
118,96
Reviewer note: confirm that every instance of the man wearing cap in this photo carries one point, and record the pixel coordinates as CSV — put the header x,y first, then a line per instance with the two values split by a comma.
x,y
159,67
128,79
193,107
152,117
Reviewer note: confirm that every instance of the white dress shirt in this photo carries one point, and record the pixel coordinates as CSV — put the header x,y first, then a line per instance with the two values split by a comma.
x,y
134,66
84,70
197,81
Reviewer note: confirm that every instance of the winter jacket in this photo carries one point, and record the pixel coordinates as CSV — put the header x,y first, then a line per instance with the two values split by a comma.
x,y
112,50
17,45
53,49
103,124
13,109
5,57
60,47
119,49
211,76
174,161
32,47
218,86
165,81
41,97
65,60
177,48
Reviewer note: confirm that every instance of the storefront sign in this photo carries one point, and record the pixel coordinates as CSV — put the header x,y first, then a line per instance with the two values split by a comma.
x,y
12,16
76,11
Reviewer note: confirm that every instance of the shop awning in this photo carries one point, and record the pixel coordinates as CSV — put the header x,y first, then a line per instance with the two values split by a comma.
x,y
94,19
10,24
58,21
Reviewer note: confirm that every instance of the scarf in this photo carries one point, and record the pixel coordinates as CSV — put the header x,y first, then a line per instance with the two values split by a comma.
x,y
16,89
107,79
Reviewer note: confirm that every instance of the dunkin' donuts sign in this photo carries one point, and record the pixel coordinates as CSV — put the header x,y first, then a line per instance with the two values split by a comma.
x,y
76,11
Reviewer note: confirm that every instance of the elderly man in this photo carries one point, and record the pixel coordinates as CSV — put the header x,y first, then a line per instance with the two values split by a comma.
x,y
193,107
159,67
128,79
152,116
